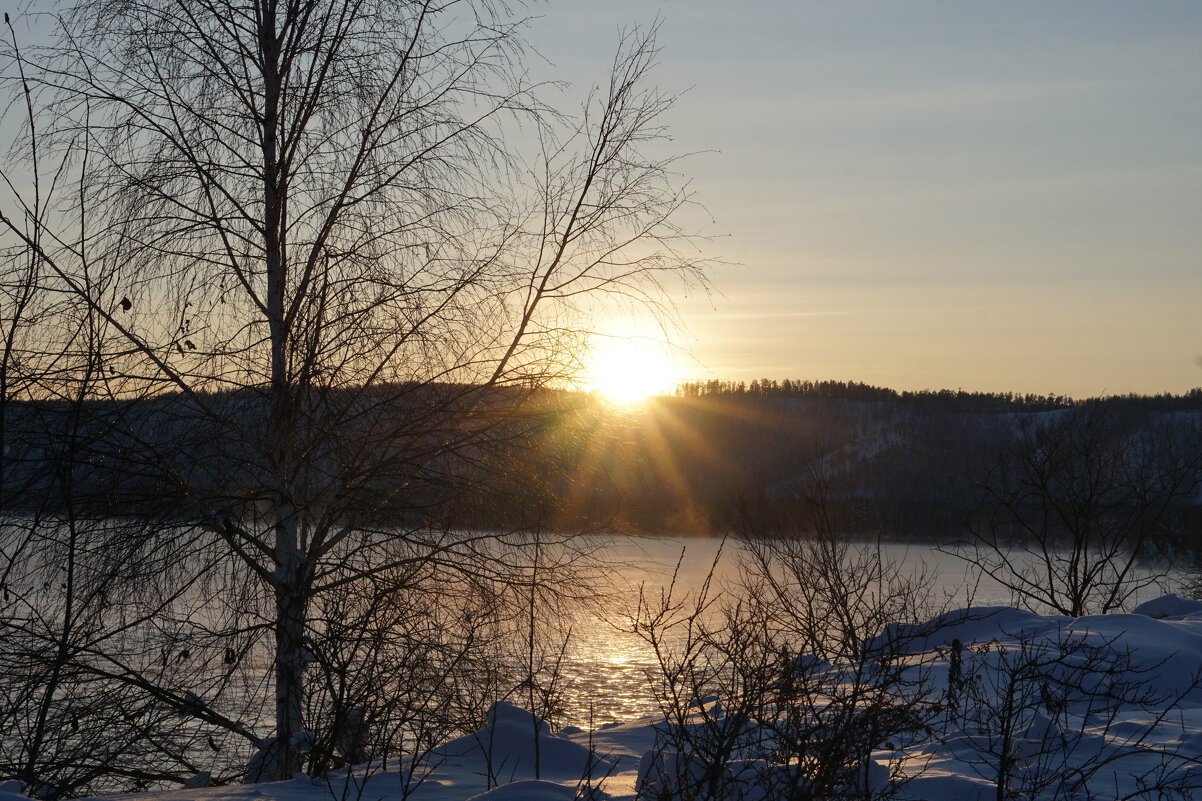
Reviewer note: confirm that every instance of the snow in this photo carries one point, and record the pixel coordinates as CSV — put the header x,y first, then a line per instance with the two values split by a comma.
x,y
976,624
529,790
506,743
12,791
1099,733
1168,606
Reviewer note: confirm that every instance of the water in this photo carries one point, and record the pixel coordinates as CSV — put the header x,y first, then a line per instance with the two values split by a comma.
x,y
611,671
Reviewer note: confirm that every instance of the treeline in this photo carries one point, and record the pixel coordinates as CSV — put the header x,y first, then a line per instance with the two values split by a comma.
x,y
713,458
947,398
915,465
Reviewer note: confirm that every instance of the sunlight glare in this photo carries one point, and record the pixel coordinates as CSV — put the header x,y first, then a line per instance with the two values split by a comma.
x,y
627,371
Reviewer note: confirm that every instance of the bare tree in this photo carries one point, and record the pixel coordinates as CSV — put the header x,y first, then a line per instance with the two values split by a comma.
x,y
93,609
1074,501
328,267
785,683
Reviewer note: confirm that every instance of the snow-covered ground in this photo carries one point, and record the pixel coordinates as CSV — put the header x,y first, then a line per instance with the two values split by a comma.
x,y
1128,716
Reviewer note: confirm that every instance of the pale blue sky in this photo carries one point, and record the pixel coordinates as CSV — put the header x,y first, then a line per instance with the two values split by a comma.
x,y
998,196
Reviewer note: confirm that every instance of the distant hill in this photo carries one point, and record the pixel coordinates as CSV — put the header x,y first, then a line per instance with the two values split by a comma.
x,y
721,456
714,457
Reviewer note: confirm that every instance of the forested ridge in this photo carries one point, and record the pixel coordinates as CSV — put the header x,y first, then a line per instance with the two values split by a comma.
x,y
716,456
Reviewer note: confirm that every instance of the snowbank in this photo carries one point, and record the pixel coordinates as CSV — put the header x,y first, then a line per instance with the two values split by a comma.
x,y
1169,606
506,745
1051,706
528,790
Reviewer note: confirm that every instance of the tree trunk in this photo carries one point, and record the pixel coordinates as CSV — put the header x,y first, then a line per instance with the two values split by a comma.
x,y
289,593
289,671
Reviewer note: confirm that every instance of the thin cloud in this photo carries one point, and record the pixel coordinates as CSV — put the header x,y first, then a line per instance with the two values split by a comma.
x,y
778,315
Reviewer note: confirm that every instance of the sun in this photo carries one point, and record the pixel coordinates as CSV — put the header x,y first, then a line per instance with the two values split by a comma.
x,y
629,370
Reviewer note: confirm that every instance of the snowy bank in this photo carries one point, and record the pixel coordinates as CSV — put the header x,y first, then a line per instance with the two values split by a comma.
x,y
1048,706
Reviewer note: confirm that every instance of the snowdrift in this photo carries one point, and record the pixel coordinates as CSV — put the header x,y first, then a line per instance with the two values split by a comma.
x,y
1046,706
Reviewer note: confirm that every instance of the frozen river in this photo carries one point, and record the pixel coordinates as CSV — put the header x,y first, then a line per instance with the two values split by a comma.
x,y
608,666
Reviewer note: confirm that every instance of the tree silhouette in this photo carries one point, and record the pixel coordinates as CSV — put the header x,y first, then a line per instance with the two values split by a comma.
x,y
318,241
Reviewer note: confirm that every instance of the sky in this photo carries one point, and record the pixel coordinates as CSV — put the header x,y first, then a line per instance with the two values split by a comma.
x,y
928,194
931,194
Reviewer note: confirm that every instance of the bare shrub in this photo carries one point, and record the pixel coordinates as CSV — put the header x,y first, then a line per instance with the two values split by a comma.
x,y
1073,505
784,684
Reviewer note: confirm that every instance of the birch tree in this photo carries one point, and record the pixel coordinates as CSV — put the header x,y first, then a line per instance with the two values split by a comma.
x,y
334,234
